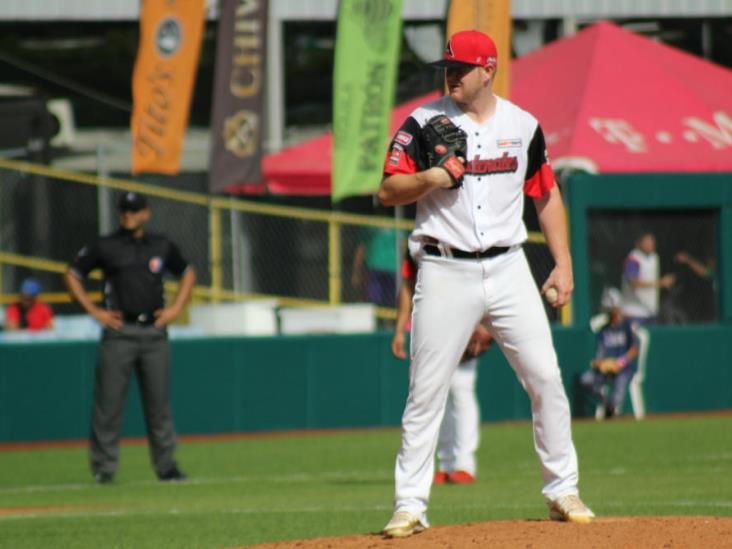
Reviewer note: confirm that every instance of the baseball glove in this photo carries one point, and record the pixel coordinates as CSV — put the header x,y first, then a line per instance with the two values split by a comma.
x,y
446,146
606,365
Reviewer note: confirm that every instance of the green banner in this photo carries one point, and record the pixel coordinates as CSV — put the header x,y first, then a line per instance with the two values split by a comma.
x,y
366,62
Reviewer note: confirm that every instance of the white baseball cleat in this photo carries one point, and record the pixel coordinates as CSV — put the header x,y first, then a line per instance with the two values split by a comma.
x,y
570,508
403,524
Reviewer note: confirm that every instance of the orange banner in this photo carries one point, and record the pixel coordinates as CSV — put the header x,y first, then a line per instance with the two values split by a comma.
x,y
162,83
492,17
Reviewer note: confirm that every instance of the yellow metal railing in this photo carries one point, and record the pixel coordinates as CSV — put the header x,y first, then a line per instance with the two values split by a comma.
x,y
215,292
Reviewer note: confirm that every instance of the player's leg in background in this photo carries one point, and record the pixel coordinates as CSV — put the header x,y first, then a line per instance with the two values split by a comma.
x,y
466,416
594,382
520,326
620,389
447,306
446,441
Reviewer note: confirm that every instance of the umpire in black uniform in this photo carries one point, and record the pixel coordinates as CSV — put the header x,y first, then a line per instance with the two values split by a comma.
x,y
134,334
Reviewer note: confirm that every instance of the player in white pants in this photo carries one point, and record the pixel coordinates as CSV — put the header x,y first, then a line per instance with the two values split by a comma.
x,y
467,239
460,428
459,434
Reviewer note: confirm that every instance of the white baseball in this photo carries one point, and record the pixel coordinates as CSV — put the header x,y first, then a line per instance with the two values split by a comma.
x,y
551,295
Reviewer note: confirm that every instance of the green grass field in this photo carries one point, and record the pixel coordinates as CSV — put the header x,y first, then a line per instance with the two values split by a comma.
x,y
249,491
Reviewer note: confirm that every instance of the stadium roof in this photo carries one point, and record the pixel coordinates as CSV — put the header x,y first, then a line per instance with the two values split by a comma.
x,y
609,101
110,10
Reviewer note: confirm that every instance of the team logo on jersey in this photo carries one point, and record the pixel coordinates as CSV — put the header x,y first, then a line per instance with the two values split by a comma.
x,y
155,264
403,138
508,143
502,164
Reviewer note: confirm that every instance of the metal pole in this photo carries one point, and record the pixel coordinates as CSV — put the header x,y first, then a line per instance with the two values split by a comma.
x,y
215,252
234,229
334,262
275,95
104,194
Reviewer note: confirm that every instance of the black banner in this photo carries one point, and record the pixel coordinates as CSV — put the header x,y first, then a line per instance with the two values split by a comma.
x,y
237,120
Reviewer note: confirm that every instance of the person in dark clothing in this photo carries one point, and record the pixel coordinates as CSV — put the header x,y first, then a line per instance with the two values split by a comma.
x,y
134,336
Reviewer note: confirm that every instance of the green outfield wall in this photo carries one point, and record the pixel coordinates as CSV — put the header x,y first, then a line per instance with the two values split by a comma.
x,y
228,385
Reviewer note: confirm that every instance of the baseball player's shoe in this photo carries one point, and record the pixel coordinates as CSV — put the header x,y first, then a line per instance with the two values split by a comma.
x,y
570,508
461,477
404,524
172,475
441,477
103,478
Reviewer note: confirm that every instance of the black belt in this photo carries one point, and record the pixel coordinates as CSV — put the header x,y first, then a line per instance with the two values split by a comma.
x,y
431,249
141,319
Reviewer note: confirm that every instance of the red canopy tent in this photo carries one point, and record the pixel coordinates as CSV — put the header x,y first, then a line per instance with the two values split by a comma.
x,y
608,100
613,101
304,169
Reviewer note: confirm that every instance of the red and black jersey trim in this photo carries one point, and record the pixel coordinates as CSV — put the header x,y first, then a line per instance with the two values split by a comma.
x,y
539,177
406,152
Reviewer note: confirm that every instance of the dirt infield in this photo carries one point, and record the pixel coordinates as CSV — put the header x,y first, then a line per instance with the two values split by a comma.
x,y
604,533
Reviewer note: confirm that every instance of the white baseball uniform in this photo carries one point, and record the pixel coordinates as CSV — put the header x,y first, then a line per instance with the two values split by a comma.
x,y
641,302
459,433
506,159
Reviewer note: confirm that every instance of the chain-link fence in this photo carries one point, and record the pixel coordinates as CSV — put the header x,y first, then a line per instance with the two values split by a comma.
x,y
241,249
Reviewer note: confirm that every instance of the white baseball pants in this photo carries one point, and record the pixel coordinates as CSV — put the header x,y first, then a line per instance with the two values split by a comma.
x,y
460,429
451,297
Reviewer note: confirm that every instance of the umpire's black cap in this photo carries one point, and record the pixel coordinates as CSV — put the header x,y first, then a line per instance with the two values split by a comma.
x,y
131,202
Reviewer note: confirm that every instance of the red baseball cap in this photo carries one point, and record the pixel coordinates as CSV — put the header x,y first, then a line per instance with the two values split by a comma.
x,y
472,48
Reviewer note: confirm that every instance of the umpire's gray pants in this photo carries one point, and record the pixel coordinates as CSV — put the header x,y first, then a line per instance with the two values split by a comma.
x,y
145,350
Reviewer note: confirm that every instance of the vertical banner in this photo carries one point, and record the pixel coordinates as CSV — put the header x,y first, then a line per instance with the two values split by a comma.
x,y
162,81
237,114
366,62
492,17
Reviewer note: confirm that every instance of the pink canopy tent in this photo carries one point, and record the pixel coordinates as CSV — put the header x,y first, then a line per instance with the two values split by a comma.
x,y
608,100
613,101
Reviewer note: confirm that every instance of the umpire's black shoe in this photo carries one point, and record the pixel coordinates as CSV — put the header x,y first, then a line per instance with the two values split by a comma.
x,y
172,475
103,478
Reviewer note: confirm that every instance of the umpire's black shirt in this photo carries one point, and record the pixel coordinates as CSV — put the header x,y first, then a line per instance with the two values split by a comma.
x,y
133,269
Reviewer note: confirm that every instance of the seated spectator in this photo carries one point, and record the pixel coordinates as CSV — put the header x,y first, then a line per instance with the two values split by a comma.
x,y
615,357
29,313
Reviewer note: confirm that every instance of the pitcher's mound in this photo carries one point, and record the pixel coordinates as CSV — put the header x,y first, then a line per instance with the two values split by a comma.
x,y
604,533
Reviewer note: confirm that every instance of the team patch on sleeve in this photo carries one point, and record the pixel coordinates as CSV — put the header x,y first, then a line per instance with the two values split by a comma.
x,y
403,138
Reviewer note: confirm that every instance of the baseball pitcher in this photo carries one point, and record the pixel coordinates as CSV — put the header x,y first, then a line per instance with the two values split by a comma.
x,y
468,159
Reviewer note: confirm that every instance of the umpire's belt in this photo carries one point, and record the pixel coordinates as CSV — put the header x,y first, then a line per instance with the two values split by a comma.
x,y
141,319
431,249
